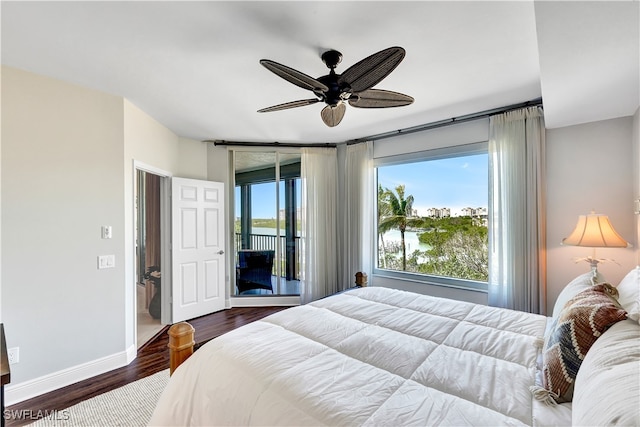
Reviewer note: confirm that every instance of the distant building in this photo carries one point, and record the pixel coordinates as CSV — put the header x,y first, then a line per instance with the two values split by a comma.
x,y
438,212
282,214
446,212
474,212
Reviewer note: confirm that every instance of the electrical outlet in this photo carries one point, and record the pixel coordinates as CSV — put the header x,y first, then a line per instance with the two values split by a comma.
x,y
13,354
106,232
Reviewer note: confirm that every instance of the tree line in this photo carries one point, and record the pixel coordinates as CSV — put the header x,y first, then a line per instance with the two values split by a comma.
x,y
457,246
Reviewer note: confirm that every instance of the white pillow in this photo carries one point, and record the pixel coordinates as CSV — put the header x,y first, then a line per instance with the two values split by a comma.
x,y
607,386
577,285
629,290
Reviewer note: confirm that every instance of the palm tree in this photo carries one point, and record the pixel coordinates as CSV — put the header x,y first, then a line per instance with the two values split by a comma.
x,y
398,214
384,210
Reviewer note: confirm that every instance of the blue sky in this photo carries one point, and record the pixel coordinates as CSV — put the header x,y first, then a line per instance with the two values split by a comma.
x,y
263,198
455,183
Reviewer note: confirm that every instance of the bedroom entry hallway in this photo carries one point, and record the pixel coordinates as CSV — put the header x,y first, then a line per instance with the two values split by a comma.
x,y
148,256
179,244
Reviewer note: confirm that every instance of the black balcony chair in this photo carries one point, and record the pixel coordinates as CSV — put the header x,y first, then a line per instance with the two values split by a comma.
x,y
254,271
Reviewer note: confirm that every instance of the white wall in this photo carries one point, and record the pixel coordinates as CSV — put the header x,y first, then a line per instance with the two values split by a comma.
x,y
62,179
446,136
433,290
589,166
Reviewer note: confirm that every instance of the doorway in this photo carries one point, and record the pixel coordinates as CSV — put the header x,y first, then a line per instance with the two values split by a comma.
x,y
268,219
148,256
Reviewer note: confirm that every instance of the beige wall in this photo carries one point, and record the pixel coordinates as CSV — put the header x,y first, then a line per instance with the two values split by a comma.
x,y
1,69
67,169
636,179
217,164
589,167
148,142
62,179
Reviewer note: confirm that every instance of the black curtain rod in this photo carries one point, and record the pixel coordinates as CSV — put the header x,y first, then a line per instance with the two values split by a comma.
x,y
217,142
419,128
447,122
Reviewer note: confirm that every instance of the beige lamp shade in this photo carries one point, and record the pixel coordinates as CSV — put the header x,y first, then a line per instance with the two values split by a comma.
x,y
595,230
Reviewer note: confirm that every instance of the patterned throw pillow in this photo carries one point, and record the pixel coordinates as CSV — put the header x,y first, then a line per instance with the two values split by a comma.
x,y
582,320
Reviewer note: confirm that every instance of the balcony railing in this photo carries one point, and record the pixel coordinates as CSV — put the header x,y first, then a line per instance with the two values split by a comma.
x,y
268,242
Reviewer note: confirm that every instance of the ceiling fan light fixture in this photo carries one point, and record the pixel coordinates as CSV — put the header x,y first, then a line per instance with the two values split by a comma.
x,y
354,85
332,114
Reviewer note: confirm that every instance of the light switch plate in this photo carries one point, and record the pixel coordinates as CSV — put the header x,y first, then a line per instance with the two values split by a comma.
x,y
106,261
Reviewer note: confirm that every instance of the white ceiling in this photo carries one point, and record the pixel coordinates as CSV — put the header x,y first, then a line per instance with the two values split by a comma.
x,y
193,66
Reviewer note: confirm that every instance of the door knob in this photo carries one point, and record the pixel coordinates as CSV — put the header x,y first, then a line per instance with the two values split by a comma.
x,y
220,252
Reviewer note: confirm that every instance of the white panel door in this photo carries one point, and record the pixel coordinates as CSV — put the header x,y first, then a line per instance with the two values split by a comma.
x,y
197,248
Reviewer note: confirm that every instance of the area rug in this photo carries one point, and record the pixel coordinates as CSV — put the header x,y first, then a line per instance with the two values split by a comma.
x,y
129,405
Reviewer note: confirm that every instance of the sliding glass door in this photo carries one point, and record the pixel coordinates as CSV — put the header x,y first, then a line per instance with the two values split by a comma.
x,y
267,223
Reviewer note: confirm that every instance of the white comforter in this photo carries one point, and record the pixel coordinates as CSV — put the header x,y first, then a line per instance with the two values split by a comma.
x,y
371,356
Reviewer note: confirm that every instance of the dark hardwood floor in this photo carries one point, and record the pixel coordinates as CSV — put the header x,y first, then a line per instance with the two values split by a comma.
x,y
152,357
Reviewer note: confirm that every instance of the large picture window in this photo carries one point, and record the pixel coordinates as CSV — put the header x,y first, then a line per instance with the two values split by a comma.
x,y
432,222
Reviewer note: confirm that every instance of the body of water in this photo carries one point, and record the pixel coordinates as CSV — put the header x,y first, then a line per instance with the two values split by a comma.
x,y
267,231
410,237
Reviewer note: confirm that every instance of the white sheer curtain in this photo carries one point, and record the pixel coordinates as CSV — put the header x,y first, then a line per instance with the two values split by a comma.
x,y
355,211
517,210
319,223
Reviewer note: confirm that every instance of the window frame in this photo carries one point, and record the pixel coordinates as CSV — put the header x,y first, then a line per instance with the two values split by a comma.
x,y
415,157
280,172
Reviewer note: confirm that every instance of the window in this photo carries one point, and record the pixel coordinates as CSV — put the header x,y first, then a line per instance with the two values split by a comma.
x,y
432,216
267,223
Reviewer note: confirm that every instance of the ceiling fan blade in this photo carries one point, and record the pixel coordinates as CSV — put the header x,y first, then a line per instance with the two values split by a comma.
x,y
378,98
294,76
371,70
287,105
332,115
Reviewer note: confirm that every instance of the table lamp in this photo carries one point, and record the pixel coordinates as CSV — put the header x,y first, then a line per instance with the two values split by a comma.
x,y
595,231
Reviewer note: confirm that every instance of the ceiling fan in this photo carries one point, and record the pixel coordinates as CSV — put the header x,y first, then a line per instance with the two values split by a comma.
x,y
354,85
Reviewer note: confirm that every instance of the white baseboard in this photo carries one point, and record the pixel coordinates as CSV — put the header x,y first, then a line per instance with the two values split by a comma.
x,y
257,301
16,393
132,353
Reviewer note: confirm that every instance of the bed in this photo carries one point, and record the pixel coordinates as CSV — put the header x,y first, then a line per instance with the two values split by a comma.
x,y
378,356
